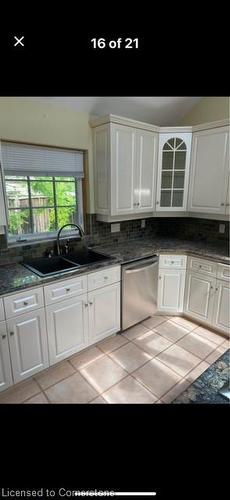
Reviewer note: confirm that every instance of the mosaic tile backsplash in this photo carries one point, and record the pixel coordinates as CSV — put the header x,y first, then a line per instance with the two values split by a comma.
x,y
204,230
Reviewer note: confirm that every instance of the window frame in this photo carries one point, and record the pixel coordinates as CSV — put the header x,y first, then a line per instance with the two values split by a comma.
x,y
17,240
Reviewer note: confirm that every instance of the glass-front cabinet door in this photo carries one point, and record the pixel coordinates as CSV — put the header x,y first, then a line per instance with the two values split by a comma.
x,y
173,170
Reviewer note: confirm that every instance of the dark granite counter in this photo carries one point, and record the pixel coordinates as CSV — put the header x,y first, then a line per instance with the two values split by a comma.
x,y
206,388
16,277
147,247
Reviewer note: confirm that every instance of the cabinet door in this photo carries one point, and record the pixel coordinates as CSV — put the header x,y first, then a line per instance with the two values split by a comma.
x,y
122,169
173,171
199,296
104,312
5,368
145,171
67,327
171,290
28,344
209,171
101,168
221,306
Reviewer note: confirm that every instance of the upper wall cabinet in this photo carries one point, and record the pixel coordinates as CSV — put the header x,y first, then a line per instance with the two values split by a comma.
x,y
173,171
209,171
125,163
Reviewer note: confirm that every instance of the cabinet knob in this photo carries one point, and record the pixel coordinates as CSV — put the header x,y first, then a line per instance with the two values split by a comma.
x,y
3,336
105,277
25,303
11,333
217,289
159,277
86,305
90,303
222,204
67,289
227,204
172,261
211,287
158,203
200,266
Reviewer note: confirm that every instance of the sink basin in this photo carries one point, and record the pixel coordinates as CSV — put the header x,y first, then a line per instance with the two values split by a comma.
x,y
45,266
86,256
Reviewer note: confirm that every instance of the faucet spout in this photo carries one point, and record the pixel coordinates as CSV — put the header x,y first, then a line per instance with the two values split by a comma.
x,y
77,226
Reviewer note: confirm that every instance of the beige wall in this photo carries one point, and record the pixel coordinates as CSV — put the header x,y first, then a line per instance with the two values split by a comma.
x,y
208,109
39,123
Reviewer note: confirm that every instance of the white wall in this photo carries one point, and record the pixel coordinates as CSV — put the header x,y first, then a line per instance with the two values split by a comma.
x,y
208,109
38,123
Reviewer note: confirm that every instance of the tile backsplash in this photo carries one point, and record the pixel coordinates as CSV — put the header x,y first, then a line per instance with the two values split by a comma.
x,y
100,233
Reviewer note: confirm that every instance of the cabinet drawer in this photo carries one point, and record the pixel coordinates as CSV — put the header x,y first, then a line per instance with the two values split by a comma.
x,y
2,314
64,289
23,302
173,261
202,266
102,278
223,272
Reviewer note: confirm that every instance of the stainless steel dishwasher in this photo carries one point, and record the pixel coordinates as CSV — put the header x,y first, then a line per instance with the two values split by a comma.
x,y
139,290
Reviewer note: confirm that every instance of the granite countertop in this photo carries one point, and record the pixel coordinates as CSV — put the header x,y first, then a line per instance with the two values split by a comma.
x,y
135,249
206,388
16,277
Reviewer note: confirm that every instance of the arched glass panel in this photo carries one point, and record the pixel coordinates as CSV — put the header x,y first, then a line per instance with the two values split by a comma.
x,y
173,172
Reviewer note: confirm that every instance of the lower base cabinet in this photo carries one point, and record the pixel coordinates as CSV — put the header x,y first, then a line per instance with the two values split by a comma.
x,y
28,344
199,296
104,312
221,306
171,285
5,367
67,327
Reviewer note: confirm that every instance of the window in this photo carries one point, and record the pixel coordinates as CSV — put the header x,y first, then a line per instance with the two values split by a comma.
x,y
43,189
41,204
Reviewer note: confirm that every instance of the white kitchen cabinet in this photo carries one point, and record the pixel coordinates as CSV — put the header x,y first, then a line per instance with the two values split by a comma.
x,y
199,296
125,164
104,312
221,306
209,171
5,367
173,171
171,285
67,327
28,344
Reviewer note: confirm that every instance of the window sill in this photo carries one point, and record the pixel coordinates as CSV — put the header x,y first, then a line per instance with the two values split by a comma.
x,y
11,243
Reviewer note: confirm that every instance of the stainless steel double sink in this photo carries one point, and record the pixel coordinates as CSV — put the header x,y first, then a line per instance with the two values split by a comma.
x,y
46,266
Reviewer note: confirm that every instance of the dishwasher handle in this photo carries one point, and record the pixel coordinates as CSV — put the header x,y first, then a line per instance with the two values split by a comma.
x,y
142,267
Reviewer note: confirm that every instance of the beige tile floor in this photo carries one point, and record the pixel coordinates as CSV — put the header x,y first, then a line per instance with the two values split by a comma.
x,y
152,362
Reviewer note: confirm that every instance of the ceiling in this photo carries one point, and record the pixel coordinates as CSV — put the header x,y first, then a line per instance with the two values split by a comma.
x,y
155,110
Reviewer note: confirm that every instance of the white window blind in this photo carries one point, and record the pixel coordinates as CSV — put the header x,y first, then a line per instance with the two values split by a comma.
x,y
26,159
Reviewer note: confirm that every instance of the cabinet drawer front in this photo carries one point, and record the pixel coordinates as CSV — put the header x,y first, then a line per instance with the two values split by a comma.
x,y
2,314
23,302
202,266
173,261
102,278
64,289
223,272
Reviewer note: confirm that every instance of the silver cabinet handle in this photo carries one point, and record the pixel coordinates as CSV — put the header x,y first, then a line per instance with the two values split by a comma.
x,y
25,303
11,333
3,336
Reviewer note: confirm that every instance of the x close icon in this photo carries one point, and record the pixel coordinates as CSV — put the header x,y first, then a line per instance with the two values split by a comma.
x,y
19,40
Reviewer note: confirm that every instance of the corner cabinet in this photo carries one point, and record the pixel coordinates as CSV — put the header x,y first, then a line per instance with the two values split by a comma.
x,y
125,166
208,191
173,171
